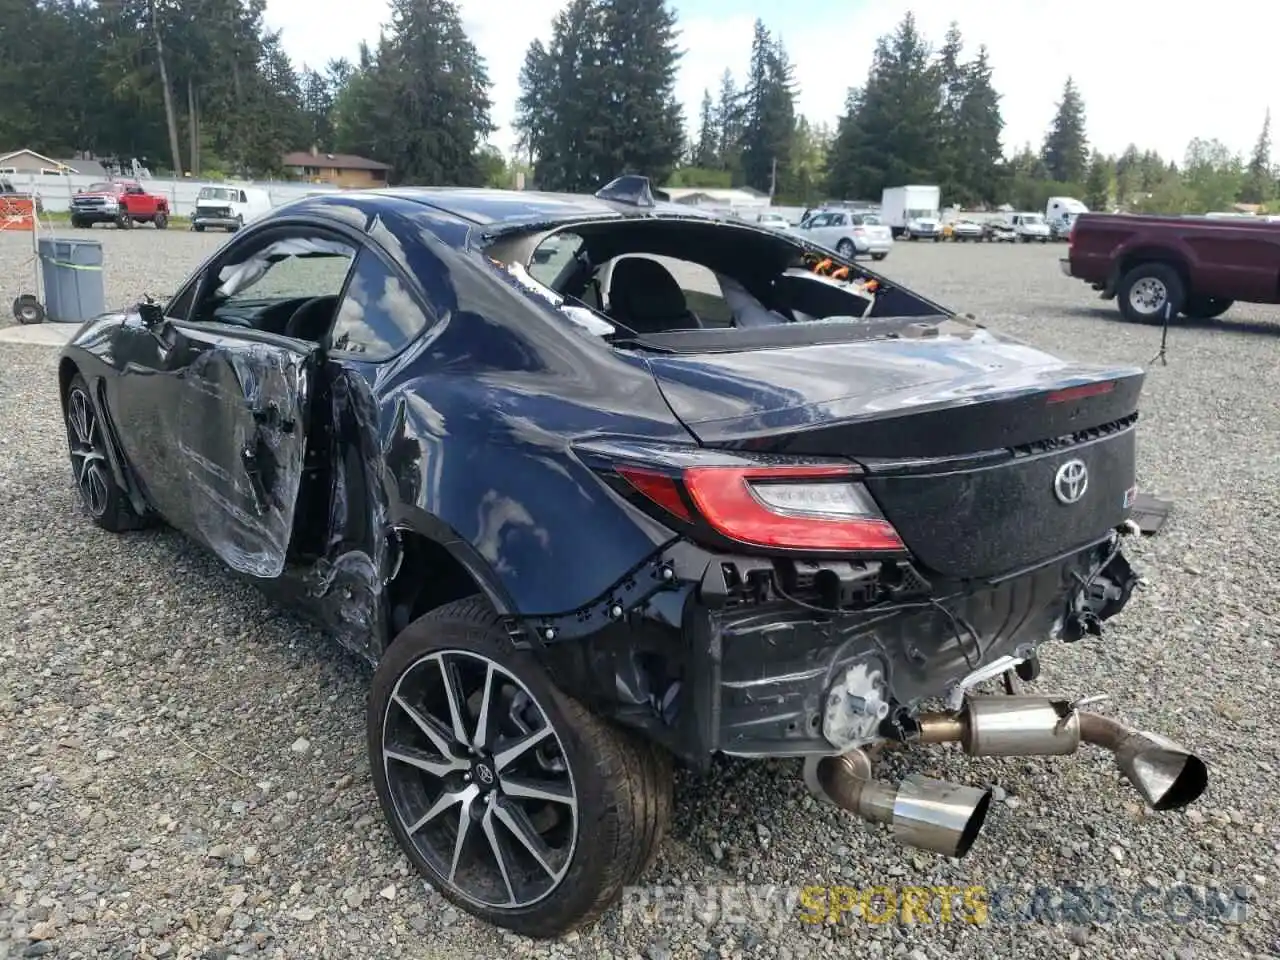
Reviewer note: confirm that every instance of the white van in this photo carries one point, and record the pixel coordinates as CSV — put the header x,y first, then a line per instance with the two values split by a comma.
x,y
229,207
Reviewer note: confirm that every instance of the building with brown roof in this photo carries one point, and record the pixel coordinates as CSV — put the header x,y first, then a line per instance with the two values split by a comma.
x,y
338,169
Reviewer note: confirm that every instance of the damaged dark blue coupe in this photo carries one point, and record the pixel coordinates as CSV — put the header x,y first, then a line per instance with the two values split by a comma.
x,y
600,484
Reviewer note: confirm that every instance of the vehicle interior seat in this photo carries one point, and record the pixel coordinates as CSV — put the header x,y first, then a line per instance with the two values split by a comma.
x,y
311,321
644,296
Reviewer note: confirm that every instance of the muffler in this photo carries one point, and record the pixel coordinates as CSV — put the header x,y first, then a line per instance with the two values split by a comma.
x,y
929,814
1167,775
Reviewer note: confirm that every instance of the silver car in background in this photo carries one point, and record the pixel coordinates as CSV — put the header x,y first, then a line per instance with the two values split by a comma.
x,y
849,234
774,221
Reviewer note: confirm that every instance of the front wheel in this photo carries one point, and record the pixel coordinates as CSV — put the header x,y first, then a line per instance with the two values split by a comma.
x,y
124,221
1149,292
161,220
1205,308
103,499
514,801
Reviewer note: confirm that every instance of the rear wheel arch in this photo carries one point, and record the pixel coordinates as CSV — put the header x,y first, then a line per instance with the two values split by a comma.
x,y
431,572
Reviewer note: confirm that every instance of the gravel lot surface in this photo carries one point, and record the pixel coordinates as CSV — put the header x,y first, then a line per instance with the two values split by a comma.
x,y
185,772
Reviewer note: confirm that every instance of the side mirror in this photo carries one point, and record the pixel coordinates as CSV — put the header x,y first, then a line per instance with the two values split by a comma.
x,y
151,313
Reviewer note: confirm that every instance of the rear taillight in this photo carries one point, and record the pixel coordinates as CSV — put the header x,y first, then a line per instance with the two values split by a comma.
x,y
802,507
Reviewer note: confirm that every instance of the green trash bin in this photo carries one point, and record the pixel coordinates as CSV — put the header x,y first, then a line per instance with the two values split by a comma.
x,y
73,287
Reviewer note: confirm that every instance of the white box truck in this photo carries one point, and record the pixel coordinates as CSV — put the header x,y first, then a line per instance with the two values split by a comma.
x,y
913,211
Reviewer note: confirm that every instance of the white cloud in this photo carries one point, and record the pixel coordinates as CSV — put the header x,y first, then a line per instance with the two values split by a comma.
x,y
1147,74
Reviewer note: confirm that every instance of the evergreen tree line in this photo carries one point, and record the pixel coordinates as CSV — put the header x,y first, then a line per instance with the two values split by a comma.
x,y
203,86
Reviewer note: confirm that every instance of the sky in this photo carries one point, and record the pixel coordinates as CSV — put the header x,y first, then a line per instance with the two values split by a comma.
x,y
1148,75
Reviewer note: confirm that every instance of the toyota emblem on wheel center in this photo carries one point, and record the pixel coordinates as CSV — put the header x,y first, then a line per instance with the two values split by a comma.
x,y
1071,481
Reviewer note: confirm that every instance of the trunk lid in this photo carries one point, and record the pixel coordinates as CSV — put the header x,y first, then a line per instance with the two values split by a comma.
x,y
963,437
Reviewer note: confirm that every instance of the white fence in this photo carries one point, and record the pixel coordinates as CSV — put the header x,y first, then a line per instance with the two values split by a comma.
x,y
56,191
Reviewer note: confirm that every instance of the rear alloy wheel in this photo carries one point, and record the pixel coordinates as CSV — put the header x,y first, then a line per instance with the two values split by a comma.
x,y
1205,308
102,497
846,249
1150,291
517,804
161,221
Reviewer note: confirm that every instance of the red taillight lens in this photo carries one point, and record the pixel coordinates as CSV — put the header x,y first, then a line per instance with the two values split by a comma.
x,y
1079,393
662,489
790,508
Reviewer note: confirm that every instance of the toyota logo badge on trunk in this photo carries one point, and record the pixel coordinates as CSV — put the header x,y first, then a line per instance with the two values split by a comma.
x,y
1071,481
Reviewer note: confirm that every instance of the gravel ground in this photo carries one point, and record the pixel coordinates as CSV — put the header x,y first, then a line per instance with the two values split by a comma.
x,y
185,767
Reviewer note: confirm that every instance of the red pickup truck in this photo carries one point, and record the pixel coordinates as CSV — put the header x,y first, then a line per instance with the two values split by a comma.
x,y
1195,267
122,202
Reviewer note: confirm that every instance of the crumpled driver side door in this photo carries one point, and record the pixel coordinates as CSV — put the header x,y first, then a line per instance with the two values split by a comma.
x,y
241,432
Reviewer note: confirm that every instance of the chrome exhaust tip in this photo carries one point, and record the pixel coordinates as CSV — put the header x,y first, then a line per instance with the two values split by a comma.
x,y
939,816
927,814
1167,774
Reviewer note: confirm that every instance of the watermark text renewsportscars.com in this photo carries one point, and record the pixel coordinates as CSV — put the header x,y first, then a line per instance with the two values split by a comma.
x,y
769,905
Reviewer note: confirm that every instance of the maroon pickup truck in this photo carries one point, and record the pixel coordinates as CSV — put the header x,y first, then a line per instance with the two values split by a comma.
x,y
1195,267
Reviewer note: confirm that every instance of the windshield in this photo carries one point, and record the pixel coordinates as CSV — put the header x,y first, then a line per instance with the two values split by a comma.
x,y
922,214
1033,218
216,193
871,221
103,187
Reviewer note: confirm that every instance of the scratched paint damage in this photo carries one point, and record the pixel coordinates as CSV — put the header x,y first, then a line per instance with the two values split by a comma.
x,y
243,439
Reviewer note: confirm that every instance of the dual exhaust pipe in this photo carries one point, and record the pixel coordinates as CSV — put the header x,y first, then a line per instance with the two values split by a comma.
x,y
946,818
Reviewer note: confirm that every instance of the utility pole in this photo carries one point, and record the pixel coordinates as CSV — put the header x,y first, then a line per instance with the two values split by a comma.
x,y
773,179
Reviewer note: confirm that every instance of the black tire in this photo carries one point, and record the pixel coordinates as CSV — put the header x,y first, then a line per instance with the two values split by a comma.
x,y
1160,274
846,249
27,309
238,225
77,223
106,504
124,221
198,227
1200,307
622,785
878,256
161,220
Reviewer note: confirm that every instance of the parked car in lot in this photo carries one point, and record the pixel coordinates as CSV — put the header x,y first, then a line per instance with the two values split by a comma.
x,y
229,208
1030,228
775,221
122,202
1195,267
966,231
849,234
999,231
583,530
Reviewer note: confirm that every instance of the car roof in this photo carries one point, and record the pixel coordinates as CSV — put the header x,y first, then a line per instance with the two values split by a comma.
x,y
493,208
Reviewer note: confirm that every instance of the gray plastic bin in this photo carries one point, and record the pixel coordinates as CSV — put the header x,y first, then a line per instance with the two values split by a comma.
x,y
73,288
